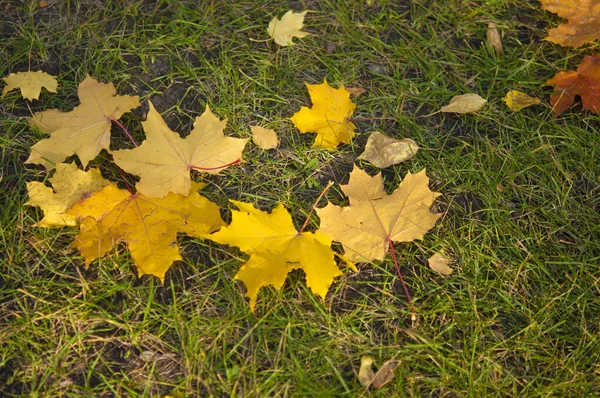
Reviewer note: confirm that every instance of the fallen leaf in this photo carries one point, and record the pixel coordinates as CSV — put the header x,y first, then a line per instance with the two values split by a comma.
x,y
276,248
517,100
365,373
30,83
264,138
440,264
84,131
356,90
148,226
385,374
494,39
385,151
583,24
164,160
284,30
328,117
374,219
584,83
70,185
464,104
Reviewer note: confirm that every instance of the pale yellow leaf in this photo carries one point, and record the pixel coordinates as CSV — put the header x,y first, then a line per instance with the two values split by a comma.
x,y
264,138
284,30
465,103
384,151
365,373
70,185
440,264
30,83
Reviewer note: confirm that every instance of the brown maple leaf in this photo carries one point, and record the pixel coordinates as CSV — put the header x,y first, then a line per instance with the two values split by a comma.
x,y
585,82
85,130
375,219
583,25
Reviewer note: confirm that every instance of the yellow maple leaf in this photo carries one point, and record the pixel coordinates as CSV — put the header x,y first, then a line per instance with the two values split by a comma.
x,y
284,30
276,248
164,160
148,226
70,185
374,219
583,25
516,100
85,130
30,83
328,117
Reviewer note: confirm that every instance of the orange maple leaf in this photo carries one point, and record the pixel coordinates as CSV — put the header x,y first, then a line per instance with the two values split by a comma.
x,y
164,160
584,83
583,25
149,226
375,219
85,130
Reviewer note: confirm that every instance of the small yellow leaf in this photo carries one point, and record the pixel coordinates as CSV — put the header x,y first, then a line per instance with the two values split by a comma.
x,y
276,248
440,264
70,185
284,30
517,100
464,104
30,83
365,373
385,151
494,39
328,117
264,138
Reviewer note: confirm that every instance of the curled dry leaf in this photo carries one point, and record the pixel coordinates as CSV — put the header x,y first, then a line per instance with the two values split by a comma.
x,y
284,30
585,82
494,39
583,25
356,90
440,264
517,100
328,117
264,138
465,103
30,83
70,185
384,151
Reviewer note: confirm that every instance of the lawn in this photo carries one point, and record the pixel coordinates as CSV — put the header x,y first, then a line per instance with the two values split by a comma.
x,y
520,314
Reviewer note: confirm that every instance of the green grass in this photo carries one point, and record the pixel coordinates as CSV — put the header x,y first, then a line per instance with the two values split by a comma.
x,y
518,317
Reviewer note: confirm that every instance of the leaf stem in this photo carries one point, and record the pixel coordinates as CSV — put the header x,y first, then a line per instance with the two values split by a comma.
x,y
413,314
366,119
215,168
125,130
312,209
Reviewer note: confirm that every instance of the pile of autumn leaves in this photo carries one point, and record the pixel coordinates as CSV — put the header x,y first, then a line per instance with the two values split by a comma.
x,y
166,199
